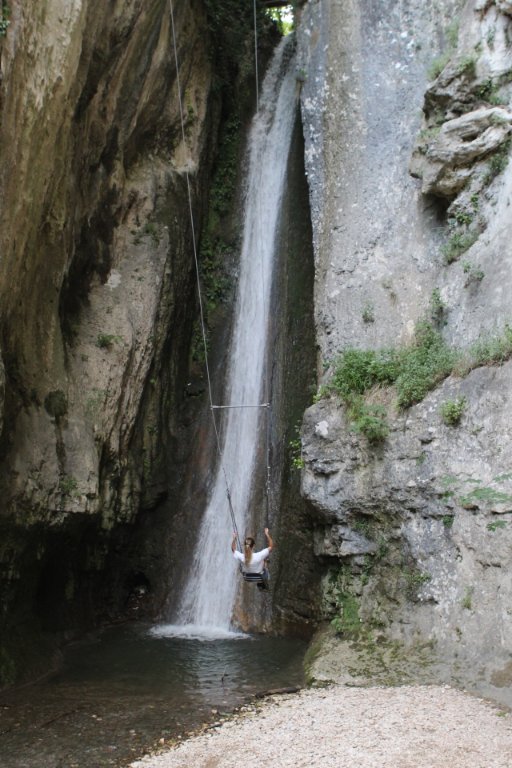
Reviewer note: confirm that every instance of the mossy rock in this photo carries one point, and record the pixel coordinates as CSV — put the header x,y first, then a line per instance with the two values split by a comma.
x,y
56,403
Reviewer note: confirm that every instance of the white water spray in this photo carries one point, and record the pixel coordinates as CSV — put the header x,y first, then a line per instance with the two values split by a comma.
x,y
207,603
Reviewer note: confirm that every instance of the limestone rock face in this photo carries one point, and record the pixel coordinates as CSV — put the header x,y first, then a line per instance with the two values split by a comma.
x,y
414,533
97,287
450,158
90,177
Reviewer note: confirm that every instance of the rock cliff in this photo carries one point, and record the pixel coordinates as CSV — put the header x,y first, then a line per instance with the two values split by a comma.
x,y
98,292
406,453
407,457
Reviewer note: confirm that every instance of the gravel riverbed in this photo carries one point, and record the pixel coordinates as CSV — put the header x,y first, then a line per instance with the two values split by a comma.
x,y
339,726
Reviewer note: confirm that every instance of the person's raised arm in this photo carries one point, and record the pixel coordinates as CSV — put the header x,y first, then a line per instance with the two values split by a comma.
x,y
270,542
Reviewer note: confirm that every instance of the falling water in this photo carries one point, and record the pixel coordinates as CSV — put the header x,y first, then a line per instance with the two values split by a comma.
x,y
207,602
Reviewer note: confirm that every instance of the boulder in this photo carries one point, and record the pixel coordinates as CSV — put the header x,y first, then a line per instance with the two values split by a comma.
x,y
446,161
341,541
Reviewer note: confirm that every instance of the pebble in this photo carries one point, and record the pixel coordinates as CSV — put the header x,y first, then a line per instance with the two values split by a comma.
x,y
339,727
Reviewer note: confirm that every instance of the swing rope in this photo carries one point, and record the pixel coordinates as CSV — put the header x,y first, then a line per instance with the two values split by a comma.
x,y
213,407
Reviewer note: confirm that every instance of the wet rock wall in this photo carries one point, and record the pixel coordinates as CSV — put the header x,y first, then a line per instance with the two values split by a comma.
x,y
98,298
413,532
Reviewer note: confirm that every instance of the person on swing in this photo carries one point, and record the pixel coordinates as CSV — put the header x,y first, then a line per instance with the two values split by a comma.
x,y
254,562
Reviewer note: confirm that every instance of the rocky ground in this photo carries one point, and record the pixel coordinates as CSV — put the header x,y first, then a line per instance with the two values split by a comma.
x,y
405,727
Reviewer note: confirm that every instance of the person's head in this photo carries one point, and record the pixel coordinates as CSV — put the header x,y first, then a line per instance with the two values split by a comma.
x,y
248,548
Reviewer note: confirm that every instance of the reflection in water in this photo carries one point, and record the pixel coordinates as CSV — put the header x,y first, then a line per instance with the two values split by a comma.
x,y
124,691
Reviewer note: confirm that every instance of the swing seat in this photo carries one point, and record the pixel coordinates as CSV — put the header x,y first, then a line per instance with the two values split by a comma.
x,y
260,579
253,577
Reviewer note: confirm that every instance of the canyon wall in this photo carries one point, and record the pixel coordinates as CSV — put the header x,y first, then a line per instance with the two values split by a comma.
x,y
98,297
406,110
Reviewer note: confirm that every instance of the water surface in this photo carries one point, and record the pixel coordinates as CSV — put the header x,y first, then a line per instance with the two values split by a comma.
x,y
120,693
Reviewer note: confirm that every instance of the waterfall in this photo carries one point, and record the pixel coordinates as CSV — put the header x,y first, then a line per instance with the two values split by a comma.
x,y
207,602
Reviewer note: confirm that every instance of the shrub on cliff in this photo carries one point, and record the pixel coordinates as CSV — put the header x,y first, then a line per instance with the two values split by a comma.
x,y
423,365
369,420
414,370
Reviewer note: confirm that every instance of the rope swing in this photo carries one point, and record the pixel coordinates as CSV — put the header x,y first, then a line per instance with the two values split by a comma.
x,y
213,407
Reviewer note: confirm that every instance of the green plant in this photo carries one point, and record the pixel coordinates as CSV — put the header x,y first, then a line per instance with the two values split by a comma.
x,y
467,600
150,229
198,347
215,282
501,478
457,244
414,370
106,340
283,17
491,34
491,350
426,137
484,494
495,525
347,622
322,391
463,217
452,411
452,33
437,66
382,548
369,420
296,448
362,526
225,175
467,66
474,274
358,370
498,162
414,579
68,485
437,306
447,520
366,569
423,365
368,313
5,12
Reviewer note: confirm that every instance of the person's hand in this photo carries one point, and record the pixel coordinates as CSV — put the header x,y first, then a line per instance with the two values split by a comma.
x,y
266,531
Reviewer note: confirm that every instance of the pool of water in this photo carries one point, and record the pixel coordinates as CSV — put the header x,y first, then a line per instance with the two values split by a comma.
x,y
119,694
